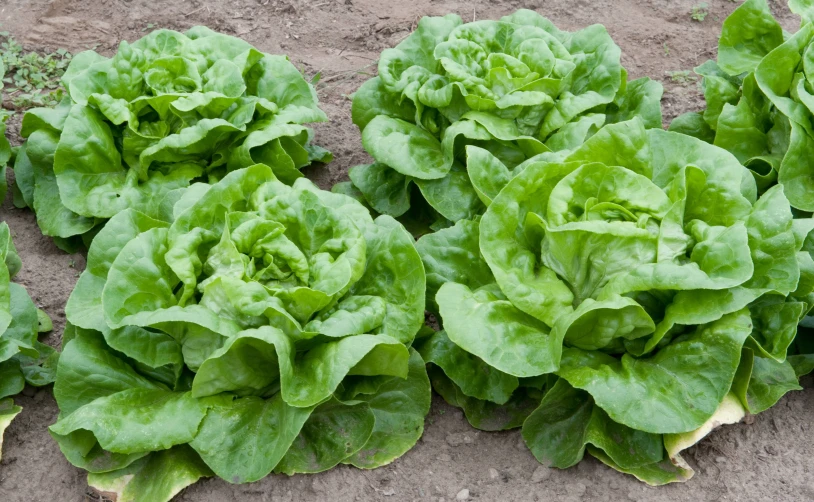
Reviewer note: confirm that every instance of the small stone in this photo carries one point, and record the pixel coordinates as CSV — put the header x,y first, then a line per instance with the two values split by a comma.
x,y
445,457
389,492
462,495
29,391
318,485
720,460
541,473
457,439
493,474
576,489
521,445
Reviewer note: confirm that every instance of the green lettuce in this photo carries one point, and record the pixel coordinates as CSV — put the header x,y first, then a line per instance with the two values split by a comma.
x,y
5,147
23,358
756,95
265,329
164,111
759,108
623,299
518,87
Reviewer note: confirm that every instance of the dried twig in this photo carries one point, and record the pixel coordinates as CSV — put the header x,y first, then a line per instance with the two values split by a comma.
x,y
202,7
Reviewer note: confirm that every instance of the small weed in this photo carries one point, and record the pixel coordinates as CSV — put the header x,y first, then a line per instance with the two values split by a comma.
x,y
666,49
32,79
682,77
700,11
149,26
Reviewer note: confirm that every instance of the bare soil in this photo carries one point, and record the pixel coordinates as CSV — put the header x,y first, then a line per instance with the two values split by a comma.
x,y
770,458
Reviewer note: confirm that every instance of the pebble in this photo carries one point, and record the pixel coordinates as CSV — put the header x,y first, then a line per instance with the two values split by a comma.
x,y
462,495
457,439
720,460
541,473
577,489
445,457
389,492
493,474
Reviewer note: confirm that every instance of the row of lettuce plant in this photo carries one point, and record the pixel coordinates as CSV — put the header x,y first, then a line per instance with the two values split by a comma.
x,y
23,358
233,319
598,282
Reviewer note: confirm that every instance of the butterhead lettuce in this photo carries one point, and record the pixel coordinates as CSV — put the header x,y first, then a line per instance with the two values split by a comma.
x,y
166,110
758,95
5,146
265,329
759,108
23,358
620,299
517,87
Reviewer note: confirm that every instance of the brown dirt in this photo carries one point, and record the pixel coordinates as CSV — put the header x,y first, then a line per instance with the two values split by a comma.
x,y
769,459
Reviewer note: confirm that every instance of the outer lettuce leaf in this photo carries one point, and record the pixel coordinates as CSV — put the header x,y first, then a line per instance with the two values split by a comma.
x,y
167,110
266,327
159,476
7,413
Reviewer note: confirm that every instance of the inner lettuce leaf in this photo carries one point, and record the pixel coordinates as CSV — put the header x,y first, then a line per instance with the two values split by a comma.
x,y
266,328
165,111
622,299
515,88
23,358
